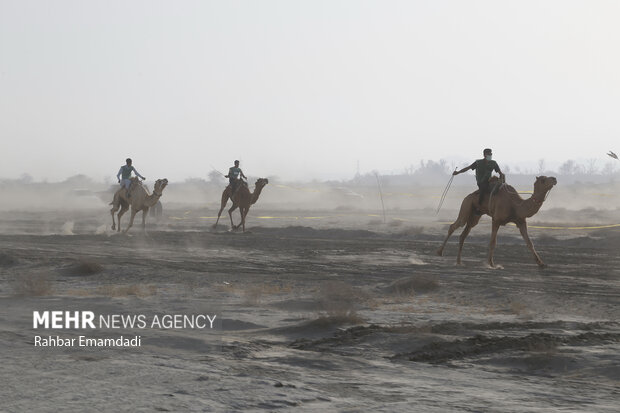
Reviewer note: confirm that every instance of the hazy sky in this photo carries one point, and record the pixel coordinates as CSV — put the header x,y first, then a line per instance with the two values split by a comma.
x,y
303,89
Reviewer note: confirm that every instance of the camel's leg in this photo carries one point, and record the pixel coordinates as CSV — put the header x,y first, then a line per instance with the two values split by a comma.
x,y
124,209
116,204
144,212
244,213
456,225
133,215
472,222
242,223
230,211
523,228
225,196
494,229
113,211
464,215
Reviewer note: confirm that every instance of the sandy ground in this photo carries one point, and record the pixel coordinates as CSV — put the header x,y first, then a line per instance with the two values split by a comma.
x,y
317,310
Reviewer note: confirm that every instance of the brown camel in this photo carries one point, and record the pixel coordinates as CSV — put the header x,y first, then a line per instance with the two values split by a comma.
x,y
242,199
503,207
139,200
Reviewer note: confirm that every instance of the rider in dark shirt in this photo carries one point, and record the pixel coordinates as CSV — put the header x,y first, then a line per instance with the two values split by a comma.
x,y
484,168
234,177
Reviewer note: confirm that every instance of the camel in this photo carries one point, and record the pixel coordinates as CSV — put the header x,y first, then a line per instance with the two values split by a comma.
x,y
242,199
139,200
503,207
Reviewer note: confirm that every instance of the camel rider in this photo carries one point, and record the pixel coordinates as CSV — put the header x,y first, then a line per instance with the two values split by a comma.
x,y
124,176
484,168
234,177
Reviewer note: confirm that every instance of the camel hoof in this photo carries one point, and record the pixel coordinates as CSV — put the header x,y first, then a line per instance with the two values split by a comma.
x,y
440,252
542,265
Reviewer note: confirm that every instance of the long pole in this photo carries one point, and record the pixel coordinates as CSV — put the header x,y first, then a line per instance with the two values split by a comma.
x,y
445,192
381,196
217,171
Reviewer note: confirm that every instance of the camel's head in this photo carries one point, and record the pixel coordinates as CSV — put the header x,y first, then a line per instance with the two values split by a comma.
x,y
261,182
545,183
160,184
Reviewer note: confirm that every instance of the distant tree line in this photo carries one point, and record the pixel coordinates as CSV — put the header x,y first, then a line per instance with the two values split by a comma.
x,y
569,167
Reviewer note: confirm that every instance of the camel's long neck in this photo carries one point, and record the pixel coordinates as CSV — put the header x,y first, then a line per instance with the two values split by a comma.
x,y
532,205
256,194
152,199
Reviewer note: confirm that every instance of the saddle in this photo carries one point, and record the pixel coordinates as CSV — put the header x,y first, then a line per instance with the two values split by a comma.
x,y
124,193
496,184
238,185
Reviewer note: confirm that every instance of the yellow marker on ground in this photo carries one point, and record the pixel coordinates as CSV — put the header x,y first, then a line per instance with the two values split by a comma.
x,y
592,227
267,217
